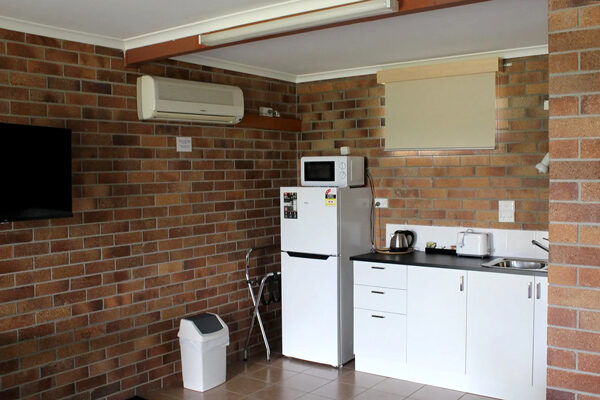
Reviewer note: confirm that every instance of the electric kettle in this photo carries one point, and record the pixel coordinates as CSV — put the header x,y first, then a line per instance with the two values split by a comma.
x,y
402,240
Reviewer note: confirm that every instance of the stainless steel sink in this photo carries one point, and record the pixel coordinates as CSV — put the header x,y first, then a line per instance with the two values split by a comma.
x,y
517,263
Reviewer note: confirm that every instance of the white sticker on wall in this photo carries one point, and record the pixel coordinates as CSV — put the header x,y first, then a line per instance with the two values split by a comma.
x,y
184,144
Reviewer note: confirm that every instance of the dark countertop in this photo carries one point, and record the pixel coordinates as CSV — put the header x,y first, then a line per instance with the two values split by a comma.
x,y
420,258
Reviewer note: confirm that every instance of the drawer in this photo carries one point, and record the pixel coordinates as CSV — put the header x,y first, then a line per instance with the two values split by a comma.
x,y
380,298
380,275
380,336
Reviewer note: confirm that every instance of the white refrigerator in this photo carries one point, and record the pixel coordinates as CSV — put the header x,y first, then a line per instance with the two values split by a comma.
x,y
321,227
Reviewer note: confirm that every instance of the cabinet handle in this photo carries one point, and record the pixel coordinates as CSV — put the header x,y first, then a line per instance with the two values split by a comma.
x,y
529,289
538,290
377,316
462,283
374,267
377,292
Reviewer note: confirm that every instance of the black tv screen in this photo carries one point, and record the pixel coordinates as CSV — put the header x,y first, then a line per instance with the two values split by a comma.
x,y
35,171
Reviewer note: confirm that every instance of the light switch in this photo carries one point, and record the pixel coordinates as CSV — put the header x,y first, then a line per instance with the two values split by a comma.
x,y
506,211
184,144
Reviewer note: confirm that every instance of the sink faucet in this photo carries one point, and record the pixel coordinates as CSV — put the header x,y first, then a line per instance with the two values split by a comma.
x,y
538,244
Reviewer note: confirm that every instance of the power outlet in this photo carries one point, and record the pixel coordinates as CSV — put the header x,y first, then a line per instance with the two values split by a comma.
x,y
381,203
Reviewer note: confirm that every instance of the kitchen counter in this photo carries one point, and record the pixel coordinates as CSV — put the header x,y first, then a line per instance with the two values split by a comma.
x,y
420,258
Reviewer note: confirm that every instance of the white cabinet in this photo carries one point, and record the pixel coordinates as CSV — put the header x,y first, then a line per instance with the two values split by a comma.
x,y
540,325
500,331
380,274
379,317
506,335
379,341
380,298
437,318
482,332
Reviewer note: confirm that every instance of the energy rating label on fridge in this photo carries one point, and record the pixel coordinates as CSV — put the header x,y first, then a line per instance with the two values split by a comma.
x,y
330,198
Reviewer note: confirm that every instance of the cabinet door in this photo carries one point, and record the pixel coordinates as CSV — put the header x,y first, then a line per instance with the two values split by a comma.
x,y
500,331
379,341
540,327
436,318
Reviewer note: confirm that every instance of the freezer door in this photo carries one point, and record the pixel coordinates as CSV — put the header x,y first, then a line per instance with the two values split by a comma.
x,y
309,308
309,220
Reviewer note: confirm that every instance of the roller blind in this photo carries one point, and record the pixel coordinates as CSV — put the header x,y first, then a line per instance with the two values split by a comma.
x,y
448,112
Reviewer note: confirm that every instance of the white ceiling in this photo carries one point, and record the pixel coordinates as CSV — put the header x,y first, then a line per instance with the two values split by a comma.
x,y
507,27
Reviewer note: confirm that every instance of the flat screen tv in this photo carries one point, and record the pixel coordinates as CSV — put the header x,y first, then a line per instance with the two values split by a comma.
x,y
35,172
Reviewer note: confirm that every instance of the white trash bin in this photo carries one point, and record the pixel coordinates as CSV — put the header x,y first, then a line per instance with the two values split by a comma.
x,y
203,339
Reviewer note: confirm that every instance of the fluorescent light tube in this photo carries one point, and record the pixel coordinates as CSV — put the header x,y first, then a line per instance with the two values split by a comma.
x,y
309,19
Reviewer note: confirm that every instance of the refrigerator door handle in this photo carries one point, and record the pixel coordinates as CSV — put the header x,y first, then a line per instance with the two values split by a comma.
x,y
307,255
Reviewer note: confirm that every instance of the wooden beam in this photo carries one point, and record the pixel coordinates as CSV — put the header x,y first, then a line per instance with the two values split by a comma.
x,y
187,45
160,51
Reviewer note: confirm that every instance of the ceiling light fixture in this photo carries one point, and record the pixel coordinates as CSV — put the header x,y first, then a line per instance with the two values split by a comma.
x,y
309,19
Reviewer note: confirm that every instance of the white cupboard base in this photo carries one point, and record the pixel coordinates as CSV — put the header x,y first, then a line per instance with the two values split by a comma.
x,y
478,332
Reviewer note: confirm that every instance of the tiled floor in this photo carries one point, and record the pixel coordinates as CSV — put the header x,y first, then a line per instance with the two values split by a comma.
x,y
285,378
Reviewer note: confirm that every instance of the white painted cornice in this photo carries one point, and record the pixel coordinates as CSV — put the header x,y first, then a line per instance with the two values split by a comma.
x,y
345,73
60,33
199,59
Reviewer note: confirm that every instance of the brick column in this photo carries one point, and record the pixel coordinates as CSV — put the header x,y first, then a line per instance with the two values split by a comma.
x,y
574,294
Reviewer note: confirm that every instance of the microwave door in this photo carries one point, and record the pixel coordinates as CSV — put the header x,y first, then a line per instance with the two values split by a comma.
x,y
314,227
319,171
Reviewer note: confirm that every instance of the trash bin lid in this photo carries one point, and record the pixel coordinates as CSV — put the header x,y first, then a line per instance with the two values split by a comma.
x,y
206,323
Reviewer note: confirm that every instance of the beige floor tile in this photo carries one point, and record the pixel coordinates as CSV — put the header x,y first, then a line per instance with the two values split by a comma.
x,y
244,385
339,391
372,394
398,387
186,394
324,371
470,396
243,367
271,374
303,382
290,379
312,396
435,393
278,392
360,379
292,364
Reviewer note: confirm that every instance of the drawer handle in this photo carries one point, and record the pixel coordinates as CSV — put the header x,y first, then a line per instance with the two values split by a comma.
x,y
377,292
377,316
374,267
529,290
538,291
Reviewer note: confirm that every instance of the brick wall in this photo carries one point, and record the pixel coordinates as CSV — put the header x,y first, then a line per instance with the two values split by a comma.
x,y
574,296
89,306
441,187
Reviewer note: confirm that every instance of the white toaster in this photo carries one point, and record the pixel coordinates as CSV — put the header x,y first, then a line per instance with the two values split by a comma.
x,y
473,244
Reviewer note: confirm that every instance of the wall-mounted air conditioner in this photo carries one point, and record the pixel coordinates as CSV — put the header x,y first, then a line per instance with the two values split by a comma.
x,y
175,99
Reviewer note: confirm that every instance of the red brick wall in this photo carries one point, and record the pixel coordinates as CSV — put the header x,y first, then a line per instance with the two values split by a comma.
x,y
89,306
441,187
574,275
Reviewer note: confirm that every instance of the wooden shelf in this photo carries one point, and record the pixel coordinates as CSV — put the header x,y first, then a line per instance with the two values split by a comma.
x,y
270,123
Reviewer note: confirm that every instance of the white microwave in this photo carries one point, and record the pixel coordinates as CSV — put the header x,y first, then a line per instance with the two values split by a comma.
x,y
337,171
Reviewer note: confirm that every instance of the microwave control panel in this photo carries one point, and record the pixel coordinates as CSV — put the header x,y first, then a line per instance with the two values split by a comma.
x,y
290,205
